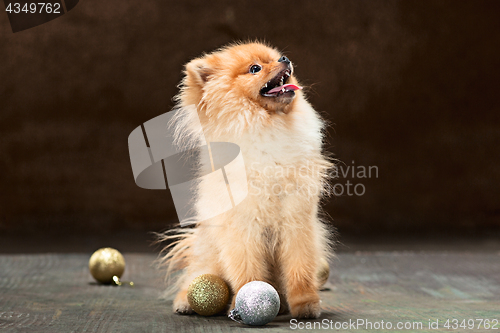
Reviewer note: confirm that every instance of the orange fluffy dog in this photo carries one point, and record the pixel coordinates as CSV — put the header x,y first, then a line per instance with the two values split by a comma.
x,y
247,94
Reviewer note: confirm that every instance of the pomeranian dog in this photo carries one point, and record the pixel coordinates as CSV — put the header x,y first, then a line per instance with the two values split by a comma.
x,y
247,94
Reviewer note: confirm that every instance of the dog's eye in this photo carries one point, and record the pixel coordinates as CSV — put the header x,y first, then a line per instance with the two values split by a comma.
x,y
255,69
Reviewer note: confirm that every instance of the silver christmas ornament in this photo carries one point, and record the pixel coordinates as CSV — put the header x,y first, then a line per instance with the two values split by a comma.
x,y
257,303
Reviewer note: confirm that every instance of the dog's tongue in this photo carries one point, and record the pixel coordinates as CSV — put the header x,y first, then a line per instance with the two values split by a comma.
x,y
287,87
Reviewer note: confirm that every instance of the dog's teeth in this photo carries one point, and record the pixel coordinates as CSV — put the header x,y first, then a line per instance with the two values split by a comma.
x,y
265,86
283,90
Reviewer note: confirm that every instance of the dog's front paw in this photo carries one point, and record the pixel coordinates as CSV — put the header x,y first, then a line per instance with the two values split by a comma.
x,y
181,304
183,309
306,310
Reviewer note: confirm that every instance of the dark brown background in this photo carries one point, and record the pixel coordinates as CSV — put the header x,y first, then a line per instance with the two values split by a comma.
x,y
411,87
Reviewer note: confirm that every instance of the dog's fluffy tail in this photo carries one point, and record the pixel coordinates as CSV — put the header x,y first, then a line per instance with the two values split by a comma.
x,y
175,256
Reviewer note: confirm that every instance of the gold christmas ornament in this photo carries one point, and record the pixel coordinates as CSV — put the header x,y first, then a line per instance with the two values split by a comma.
x,y
208,294
107,265
323,271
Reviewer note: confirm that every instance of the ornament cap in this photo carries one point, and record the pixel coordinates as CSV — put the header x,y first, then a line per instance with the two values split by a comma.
x,y
234,315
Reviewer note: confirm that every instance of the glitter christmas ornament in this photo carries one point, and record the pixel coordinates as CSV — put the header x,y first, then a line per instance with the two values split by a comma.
x,y
323,272
257,303
105,264
208,294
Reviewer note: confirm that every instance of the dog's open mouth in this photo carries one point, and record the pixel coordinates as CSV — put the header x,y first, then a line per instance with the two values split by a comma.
x,y
278,85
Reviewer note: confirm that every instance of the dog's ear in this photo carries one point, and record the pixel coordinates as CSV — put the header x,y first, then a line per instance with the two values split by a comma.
x,y
198,71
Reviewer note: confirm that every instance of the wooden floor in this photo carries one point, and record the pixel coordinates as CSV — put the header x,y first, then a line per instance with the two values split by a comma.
x,y
55,293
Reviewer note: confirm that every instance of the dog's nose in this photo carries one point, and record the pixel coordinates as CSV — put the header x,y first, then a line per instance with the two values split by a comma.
x,y
284,59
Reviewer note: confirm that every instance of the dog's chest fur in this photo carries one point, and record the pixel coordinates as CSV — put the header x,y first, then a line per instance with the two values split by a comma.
x,y
279,162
